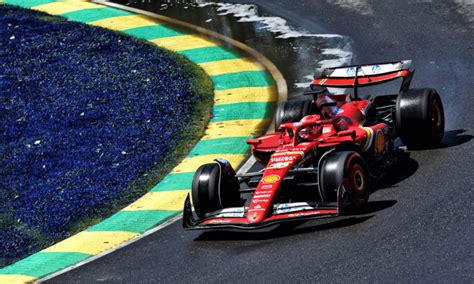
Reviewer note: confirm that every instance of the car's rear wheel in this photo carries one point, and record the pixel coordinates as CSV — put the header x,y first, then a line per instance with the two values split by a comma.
x,y
292,111
344,168
214,187
419,118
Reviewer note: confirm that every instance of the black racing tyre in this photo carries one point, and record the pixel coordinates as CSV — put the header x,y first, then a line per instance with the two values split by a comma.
x,y
214,187
348,168
292,111
419,118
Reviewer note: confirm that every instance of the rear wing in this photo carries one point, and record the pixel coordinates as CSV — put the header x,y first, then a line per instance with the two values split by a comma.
x,y
364,75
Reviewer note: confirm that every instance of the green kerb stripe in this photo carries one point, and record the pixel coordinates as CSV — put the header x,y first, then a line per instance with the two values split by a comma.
x,y
248,110
230,145
134,221
44,263
174,181
242,79
28,3
153,32
95,14
208,54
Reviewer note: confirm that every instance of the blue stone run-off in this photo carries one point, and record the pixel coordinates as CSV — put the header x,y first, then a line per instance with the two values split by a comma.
x,y
83,112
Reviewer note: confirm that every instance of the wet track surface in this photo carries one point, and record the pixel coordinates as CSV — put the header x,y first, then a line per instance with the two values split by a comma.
x,y
259,29
418,224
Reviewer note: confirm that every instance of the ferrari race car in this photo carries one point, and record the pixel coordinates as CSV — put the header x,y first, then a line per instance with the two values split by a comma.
x,y
325,152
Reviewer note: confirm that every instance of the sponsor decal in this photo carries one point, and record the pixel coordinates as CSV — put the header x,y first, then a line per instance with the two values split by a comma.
x,y
279,165
285,208
267,186
258,206
256,209
255,201
217,221
297,152
282,159
271,179
327,129
228,215
262,195
292,207
304,214
351,71
231,210
376,69
264,191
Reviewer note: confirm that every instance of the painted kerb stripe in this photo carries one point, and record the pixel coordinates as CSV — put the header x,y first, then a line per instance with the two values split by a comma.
x,y
28,3
209,54
152,32
95,14
125,22
43,263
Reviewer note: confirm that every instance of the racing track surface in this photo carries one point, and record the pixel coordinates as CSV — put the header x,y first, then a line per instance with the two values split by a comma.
x,y
417,226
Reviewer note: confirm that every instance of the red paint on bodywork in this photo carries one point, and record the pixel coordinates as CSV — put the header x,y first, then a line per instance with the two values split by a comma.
x,y
289,147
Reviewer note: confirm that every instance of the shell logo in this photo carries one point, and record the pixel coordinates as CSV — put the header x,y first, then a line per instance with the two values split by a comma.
x,y
271,179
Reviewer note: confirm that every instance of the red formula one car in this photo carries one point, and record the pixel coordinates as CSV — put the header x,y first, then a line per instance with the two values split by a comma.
x,y
324,154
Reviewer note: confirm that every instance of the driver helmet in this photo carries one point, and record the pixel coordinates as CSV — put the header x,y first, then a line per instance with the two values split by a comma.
x,y
327,106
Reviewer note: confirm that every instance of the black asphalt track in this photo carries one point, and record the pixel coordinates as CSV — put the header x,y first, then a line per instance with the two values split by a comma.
x,y
418,225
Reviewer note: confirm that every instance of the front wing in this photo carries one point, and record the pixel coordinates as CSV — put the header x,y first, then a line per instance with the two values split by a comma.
x,y
235,218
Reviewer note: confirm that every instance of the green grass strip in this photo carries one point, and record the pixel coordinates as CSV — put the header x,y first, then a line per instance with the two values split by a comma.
x,y
138,221
247,110
208,54
242,79
228,145
28,3
174,181
153,32
44,263
95,14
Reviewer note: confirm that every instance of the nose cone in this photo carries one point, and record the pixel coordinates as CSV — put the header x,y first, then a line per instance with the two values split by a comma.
x,y
255,216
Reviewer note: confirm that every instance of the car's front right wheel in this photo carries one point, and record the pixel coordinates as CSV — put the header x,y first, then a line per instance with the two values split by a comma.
x,y
346,168
214,187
